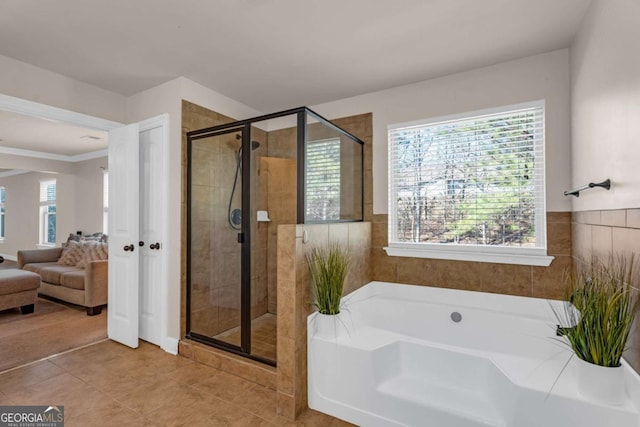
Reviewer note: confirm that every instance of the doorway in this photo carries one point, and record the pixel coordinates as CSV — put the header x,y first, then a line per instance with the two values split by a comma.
x,y
153,322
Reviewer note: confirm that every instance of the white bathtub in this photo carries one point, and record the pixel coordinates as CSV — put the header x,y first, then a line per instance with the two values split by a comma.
x,y
402,360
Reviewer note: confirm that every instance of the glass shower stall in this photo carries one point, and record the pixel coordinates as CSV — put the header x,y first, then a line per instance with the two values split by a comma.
x,y
244,179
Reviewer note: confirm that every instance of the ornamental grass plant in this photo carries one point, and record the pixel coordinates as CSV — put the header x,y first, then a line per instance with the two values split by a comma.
x,y
605,302
328,268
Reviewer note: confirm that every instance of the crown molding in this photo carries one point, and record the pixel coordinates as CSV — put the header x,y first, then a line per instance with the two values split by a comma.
x,y
12,173
52,156
30,108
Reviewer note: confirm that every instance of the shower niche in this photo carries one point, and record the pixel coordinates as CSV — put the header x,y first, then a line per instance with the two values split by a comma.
x,y
244,179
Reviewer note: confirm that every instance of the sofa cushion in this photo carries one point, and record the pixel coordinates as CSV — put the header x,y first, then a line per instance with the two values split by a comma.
x,y
36,266
73,279
52,273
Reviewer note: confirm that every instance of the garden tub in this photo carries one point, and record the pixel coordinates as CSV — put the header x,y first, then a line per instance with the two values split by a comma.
x,y
423,356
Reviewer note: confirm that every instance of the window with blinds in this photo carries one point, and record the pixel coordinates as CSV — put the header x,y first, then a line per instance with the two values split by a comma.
x,y
323,180
48,212
472,182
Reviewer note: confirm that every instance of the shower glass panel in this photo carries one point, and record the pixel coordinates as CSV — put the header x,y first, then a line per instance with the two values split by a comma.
x,y
333,173
245,179
215,188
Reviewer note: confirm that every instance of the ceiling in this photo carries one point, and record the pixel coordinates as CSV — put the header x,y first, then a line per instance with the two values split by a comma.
x,y
276,54
18,131
268,54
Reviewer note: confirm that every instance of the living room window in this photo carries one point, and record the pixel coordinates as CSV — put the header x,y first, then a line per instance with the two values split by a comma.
x,y
470,187
105,202
2,202
48,212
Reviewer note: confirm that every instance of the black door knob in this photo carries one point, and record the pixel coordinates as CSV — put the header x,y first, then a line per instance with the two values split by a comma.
x,y
141,243
155,245
129,248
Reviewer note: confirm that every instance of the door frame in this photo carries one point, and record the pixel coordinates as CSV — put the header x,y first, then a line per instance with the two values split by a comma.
x,y
44,111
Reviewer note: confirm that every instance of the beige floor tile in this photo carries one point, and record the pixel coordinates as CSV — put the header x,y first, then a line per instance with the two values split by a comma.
x,y
260,401
5,400
47,392
211,412
110,414
224,386
109,384
160,394
28,375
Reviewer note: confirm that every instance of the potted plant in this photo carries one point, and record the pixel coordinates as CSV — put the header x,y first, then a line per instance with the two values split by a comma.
x,y
597,319
328,267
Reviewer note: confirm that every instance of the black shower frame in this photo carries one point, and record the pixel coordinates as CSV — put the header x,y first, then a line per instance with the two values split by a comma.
x,y
244,126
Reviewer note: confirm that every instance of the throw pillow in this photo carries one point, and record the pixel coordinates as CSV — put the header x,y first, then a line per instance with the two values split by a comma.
x,y
71,254
93,251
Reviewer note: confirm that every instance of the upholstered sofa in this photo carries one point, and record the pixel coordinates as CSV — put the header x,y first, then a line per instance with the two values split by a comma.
x,y
82,286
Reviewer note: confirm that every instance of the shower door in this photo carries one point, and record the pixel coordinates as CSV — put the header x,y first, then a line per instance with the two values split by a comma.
x,y
218,242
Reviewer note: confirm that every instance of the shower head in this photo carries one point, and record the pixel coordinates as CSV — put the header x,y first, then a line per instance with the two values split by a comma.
x,y
254,144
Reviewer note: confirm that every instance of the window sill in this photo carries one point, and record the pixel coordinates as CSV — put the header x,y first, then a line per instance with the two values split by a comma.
x,y
471,254
45,245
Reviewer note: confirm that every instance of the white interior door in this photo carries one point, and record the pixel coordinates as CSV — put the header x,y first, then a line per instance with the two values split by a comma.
x,y
152,198
124,220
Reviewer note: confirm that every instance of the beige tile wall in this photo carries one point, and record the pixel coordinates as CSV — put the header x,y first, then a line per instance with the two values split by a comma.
x,y
601,234
522,280
294,296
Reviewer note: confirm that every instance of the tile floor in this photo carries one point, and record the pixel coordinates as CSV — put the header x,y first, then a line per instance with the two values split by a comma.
x,y
263,336
107,384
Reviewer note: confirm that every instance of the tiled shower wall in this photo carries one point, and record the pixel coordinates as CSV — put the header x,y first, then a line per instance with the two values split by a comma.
x,y
602,233
294,295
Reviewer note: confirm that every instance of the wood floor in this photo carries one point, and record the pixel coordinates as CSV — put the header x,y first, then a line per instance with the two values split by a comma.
x,y
108,384
53,328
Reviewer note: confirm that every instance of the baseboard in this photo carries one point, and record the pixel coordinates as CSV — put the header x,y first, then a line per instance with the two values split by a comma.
x,y
170,345
9,257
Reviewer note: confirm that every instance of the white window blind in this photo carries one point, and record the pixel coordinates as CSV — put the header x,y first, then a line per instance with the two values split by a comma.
x,y
48,212
323,180
47,192
471,183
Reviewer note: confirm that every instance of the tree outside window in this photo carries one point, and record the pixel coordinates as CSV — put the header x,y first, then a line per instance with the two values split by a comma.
x,y
475,180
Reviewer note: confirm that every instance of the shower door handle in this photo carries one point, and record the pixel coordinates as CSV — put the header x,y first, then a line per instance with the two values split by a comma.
x,y
240,237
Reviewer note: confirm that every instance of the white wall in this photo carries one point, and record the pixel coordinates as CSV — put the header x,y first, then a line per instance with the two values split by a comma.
x,y
543,76
46,87
22,210
605,101
89,195
78,204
